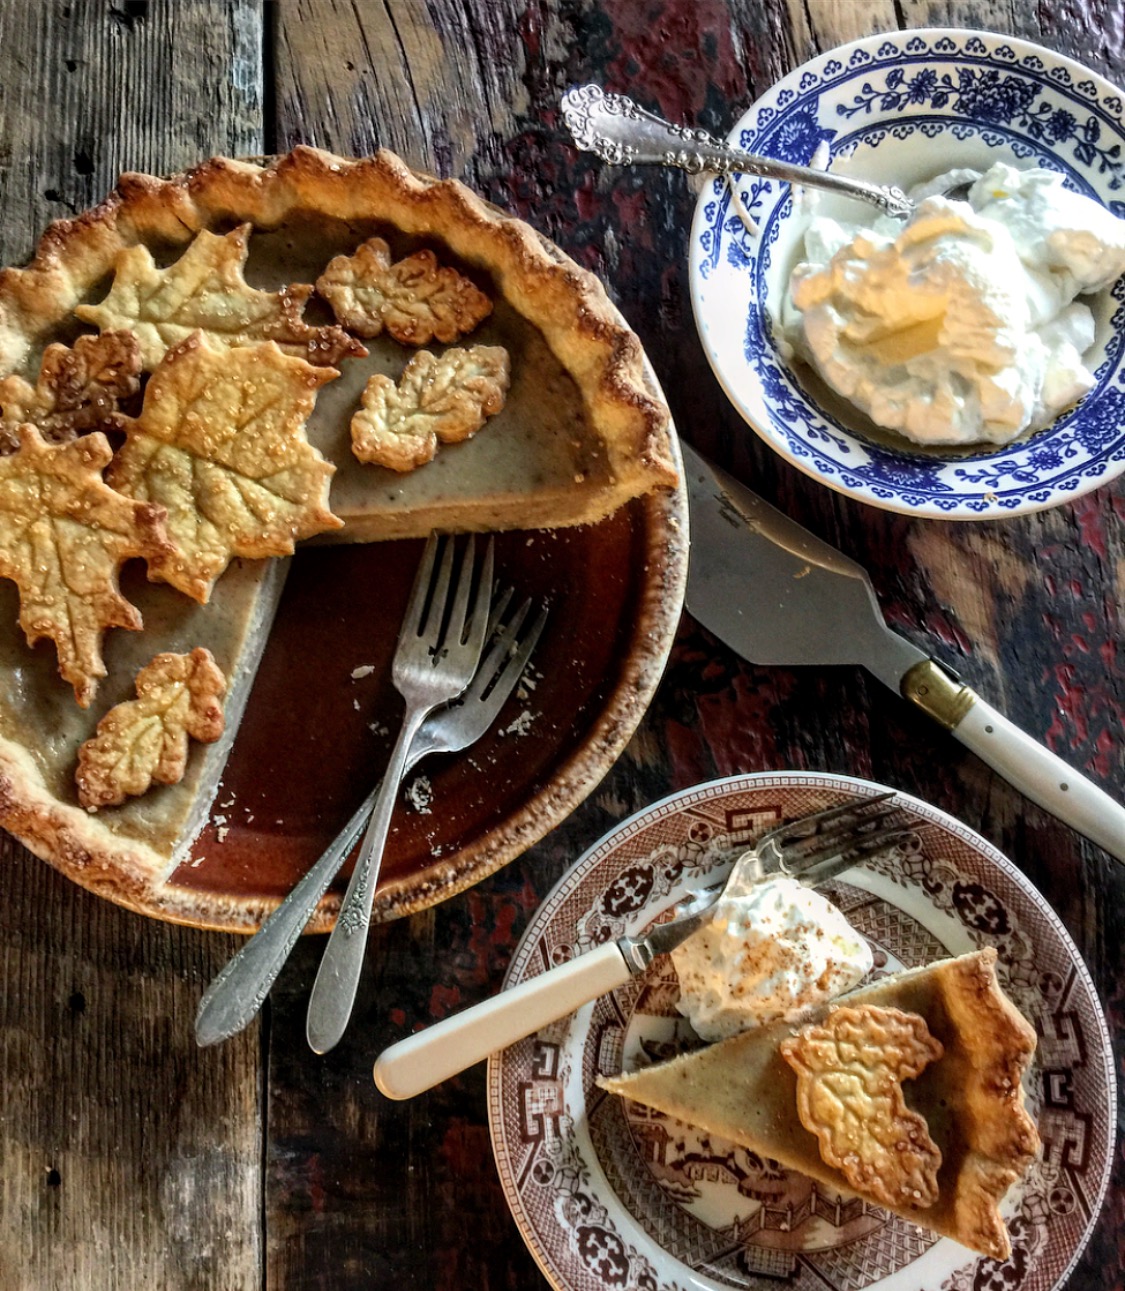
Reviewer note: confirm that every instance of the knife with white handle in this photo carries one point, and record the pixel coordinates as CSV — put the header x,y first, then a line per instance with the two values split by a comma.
x,y
777,594
426,1059
421,1061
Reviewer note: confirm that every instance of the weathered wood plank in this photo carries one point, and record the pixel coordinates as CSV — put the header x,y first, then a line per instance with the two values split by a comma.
x,y
128,1157
91,89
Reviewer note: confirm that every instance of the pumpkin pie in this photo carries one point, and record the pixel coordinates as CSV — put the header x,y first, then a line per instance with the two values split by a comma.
x,y
906,1092
226,256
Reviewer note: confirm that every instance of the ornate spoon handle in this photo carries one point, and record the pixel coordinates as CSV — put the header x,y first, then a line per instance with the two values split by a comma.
x,y
622,133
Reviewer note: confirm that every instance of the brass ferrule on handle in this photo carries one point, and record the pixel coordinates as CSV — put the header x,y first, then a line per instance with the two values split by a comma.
x,y
936,693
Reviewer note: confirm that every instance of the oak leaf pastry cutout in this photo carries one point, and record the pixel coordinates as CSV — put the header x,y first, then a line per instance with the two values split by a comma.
x,y
179,696
78,390
444,399
220,444
205,290
415,300
64,535
850,1070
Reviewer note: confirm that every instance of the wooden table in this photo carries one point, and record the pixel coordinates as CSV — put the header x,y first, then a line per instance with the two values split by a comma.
x,y
128,1157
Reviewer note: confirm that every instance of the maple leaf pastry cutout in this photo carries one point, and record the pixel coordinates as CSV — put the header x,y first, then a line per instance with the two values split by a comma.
x,y
850,1070
220,445
205,290
415,300
179,696
79,389
64,535
444,399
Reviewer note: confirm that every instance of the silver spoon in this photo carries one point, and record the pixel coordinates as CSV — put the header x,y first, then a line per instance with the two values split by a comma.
x,y
623,133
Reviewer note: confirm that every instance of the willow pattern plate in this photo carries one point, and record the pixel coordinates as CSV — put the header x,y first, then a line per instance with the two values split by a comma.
x,y
611,1196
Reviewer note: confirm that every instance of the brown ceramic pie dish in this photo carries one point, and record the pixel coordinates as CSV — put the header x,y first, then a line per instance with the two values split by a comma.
x,y
584,446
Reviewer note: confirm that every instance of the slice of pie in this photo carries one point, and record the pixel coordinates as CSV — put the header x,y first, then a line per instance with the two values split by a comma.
x,y
964,1124
583,430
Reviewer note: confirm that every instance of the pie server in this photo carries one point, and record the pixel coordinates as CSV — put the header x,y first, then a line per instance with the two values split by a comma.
x,y
777,594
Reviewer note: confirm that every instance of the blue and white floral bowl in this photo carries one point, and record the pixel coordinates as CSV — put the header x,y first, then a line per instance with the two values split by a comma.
x,y
903,108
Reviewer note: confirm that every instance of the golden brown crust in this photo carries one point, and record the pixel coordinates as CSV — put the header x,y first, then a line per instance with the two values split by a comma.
x,y
220,442
416,300
567,303
146,739
205,290
64,535
79,390
446,400
1002,1140
972,1098
850,1070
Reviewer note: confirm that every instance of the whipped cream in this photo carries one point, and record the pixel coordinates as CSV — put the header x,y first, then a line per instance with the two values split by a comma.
x,y
770,952
961,325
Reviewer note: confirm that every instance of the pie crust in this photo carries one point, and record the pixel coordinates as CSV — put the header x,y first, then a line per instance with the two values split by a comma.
x,y
971,1097
307,189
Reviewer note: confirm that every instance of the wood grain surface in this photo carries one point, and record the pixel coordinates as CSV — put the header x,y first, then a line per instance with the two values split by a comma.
x,y
128,1158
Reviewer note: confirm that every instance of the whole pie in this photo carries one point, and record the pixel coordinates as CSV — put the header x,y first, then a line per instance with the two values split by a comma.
x,y
907,1092
206,369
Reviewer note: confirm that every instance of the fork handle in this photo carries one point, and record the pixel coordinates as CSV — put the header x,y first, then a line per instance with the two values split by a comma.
x,y
233,999
424,1060
337,978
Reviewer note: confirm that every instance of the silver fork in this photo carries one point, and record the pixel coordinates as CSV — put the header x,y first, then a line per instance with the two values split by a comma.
x,y
814,849
234,998
439,647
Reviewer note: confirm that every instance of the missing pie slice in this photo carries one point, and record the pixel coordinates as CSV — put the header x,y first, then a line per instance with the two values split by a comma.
x,y
974,1051
583,432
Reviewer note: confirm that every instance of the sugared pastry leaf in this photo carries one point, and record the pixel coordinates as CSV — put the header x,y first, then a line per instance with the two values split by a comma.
x,y
146,739
220,444
447,399
205,290
850,1070
78,390
416,300
64,535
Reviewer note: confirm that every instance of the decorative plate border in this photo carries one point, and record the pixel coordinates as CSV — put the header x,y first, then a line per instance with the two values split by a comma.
x,y
968,94
546,1114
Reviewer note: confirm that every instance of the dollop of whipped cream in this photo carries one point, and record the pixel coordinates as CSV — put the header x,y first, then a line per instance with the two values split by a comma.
x,y
961,325
771,951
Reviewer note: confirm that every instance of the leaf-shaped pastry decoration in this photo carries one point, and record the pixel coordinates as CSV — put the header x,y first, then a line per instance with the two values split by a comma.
x,y
78,390
220,445
416,300
146,739
447,399
205,290
64,535
850,1070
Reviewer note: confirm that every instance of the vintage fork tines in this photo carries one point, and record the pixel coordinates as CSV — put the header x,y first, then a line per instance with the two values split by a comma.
x,y
238,992
439,647
424,1059
792,846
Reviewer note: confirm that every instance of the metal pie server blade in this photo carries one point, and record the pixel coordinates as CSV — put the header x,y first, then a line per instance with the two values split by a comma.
x,y
777,594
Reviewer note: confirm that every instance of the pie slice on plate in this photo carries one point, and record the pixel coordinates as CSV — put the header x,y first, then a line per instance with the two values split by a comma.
x,y
944,1038
225,257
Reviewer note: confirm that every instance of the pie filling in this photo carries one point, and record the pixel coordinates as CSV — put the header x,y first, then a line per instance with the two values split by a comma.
x,y
544,460
38,712
971,1098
